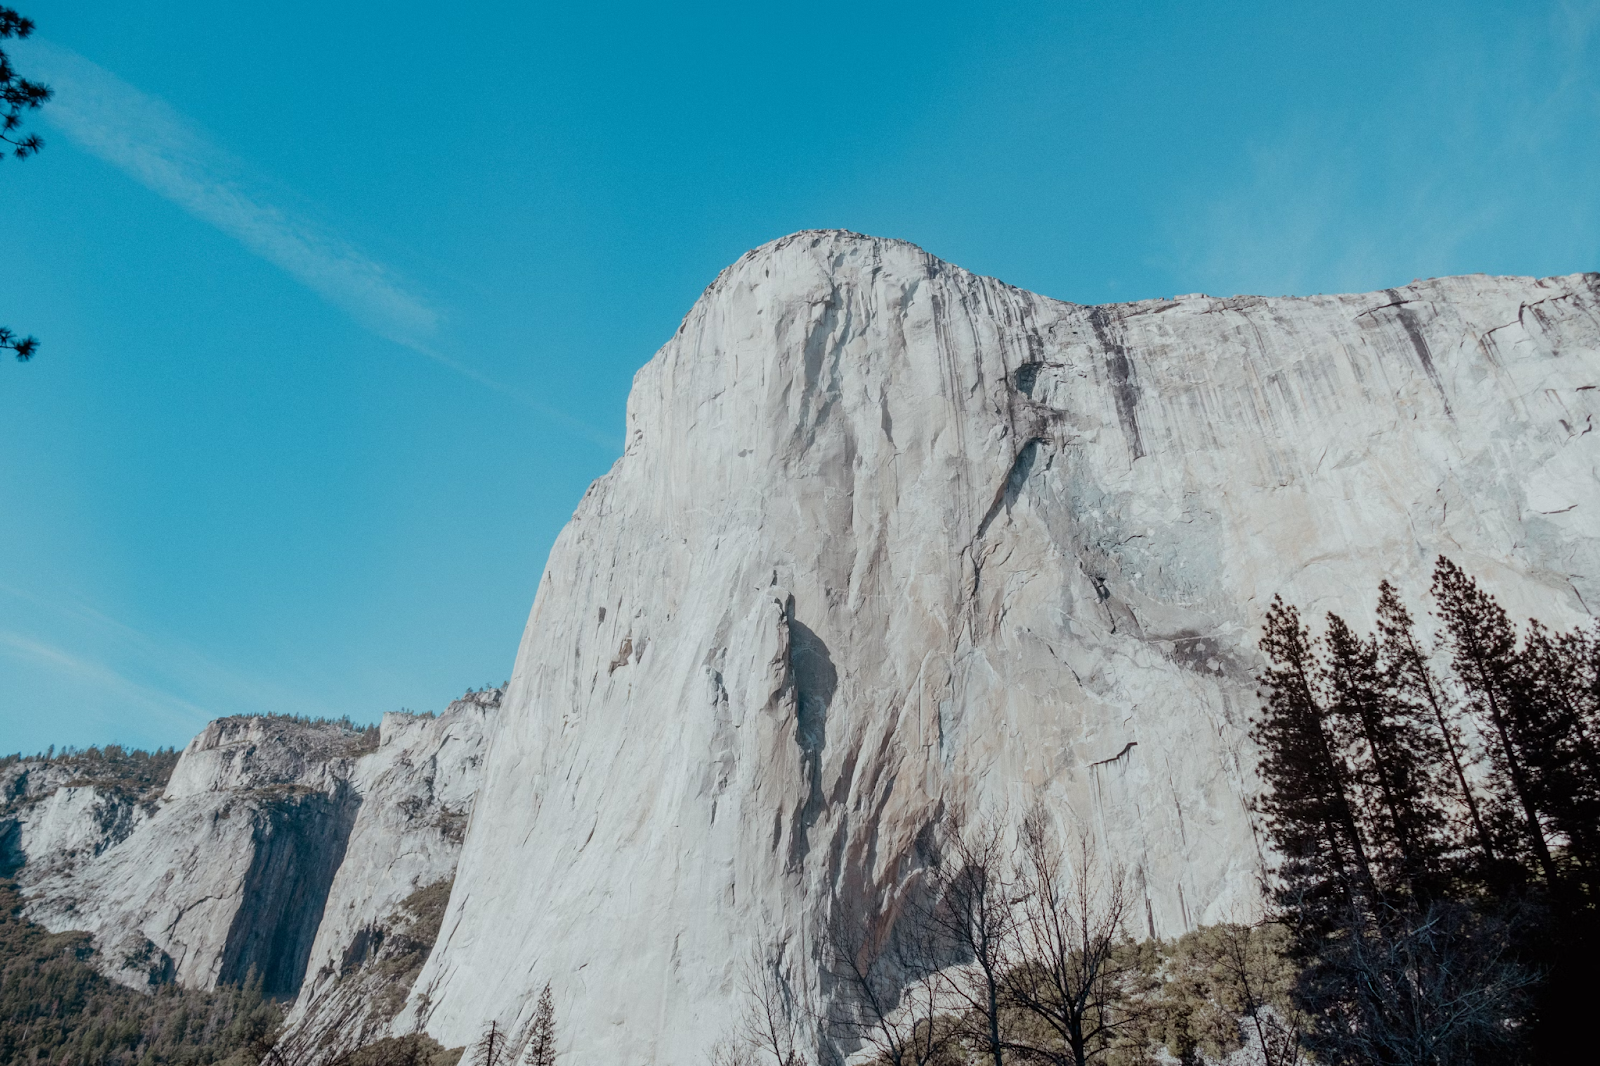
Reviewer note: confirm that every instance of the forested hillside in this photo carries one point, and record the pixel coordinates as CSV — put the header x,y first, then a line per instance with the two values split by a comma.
x,y
55,1008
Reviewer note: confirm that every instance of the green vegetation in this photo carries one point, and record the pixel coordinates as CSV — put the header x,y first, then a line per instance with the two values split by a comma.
x,y
417,1049
359,739
1199,998
1209,981
132,772
55,1008
123,771
406,947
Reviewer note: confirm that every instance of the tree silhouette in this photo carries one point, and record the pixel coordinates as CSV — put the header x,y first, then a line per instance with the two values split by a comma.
x,y
1484,652
1390,754
1457,813
976,914
1073,980
490,1050
17,95
1325,874
1411,682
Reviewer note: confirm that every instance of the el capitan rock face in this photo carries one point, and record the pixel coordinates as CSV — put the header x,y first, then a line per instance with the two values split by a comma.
x,y
889,538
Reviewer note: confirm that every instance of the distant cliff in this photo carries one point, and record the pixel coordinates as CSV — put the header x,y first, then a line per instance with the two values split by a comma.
x,y
273,846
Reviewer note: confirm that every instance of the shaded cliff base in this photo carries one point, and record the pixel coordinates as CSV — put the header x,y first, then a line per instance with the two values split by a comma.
x,y
352,1014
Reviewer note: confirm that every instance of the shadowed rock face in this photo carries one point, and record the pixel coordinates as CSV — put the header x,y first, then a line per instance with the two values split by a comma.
x,y
417,793
223,870
298,844
889,538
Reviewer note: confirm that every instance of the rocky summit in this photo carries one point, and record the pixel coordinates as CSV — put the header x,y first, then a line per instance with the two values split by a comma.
x,y
888,540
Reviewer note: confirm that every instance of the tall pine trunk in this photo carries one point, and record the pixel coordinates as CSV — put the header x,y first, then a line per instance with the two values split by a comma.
x,y
1484,646
1409,673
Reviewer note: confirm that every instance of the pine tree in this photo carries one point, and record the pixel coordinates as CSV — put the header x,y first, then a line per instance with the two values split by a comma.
x,y
1389,758
1325,873
1563,686
1484,653
1364,750
542,1039
17,95
1410,681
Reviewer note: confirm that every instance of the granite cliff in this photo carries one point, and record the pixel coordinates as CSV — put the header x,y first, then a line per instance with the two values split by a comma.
x,y
888,540
273,847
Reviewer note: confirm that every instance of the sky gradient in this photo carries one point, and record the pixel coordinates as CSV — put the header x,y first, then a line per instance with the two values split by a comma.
x,y
340,304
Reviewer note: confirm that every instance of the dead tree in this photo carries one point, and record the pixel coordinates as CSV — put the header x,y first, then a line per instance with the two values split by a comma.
x,y
767,1026
973,917
490,1050
1069,976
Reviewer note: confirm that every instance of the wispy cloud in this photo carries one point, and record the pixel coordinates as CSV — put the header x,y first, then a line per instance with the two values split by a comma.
x,y
150,141
1478,157
147,139
88,675
149,687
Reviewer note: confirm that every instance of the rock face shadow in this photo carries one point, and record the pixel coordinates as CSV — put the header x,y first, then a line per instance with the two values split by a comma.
x,y
816,680
300,840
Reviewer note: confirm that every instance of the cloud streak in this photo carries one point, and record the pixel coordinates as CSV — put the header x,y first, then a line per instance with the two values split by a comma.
x,y
148,140
103,680
110,669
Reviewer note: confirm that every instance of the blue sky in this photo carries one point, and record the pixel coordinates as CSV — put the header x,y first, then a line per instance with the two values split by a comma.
x,y
340,303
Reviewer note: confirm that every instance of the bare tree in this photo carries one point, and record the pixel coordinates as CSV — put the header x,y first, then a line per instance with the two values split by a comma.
x,y
1423,988
729,1050
974,917
767,1027
1069,979
891,972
